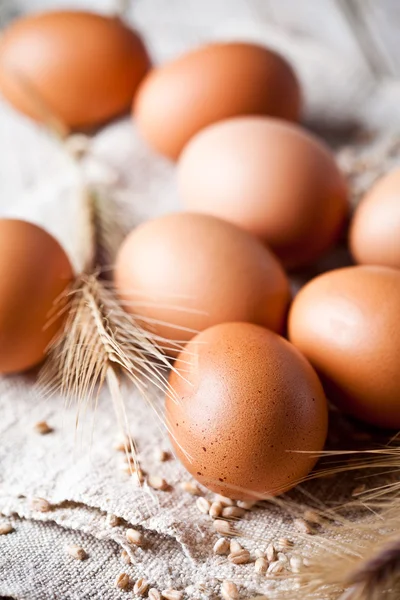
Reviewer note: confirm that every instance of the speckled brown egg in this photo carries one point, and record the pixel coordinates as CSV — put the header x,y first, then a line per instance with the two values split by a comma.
x,y
375,229
346,322
209,84
182,273
271,178
79,67
34,271
244,405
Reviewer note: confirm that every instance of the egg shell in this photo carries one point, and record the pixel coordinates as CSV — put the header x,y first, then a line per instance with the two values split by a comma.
x,y
34,271
245,402
270,177
182,273
209,84
375,229
79,67
346,322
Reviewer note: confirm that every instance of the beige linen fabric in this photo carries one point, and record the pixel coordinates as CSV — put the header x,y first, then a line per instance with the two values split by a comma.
x,y
78,472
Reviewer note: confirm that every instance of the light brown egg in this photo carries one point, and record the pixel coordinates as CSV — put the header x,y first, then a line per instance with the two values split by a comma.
x,y
346,322
80,67
244,406
182,273
209,84
34,271
270,177
375,229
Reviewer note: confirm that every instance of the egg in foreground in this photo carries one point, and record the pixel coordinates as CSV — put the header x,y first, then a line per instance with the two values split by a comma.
x,y
346,322
80,67
182,273
34,272
271,178
246,403
209,84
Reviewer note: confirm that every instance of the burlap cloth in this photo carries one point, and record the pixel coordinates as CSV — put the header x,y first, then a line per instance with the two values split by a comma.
x,y
78,472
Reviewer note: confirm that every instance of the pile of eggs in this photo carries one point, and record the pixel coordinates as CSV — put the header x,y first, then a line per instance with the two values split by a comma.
x,y
247,412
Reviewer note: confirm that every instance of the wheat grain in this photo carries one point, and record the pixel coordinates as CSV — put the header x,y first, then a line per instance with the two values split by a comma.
x,y
271,553
141,586
215,510
112,520
77,552
223,500
221,546
191,488
239,557
171,594
6,528
43,428
123,581
229,590
125,557
40,505
154,594
223,527
157,483
261,565
302,526
203,505
233,512
134,537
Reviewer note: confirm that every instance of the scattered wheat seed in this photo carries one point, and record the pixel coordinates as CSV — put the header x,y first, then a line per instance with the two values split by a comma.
x,y
77,552
161,456
135,537
313,517
224,500
191,488
223,527
112,520
203,505
43,428
6,528
261,565
302,526
240,557
275,568
359,489
229,590
285,543
154,594
123,581
40,504
271,553
246,504
259,553
141,586
306,562
282,557
296,563
157,483
125,557
215,510
234,546
172,594
123,445
221,546
233,512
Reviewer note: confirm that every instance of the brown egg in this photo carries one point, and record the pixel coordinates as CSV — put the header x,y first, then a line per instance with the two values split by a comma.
x,y
375,230
213,83
346,322
243,407
183,273
34,271
270,177
79,67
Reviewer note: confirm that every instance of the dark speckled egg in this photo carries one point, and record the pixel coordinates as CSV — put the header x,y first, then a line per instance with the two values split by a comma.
x,y
244,403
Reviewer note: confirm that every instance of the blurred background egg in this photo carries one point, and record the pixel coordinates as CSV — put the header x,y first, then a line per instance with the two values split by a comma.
x,y
79,67
346,322
209,84
34,271
375,229
271,178
184,272
245,402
